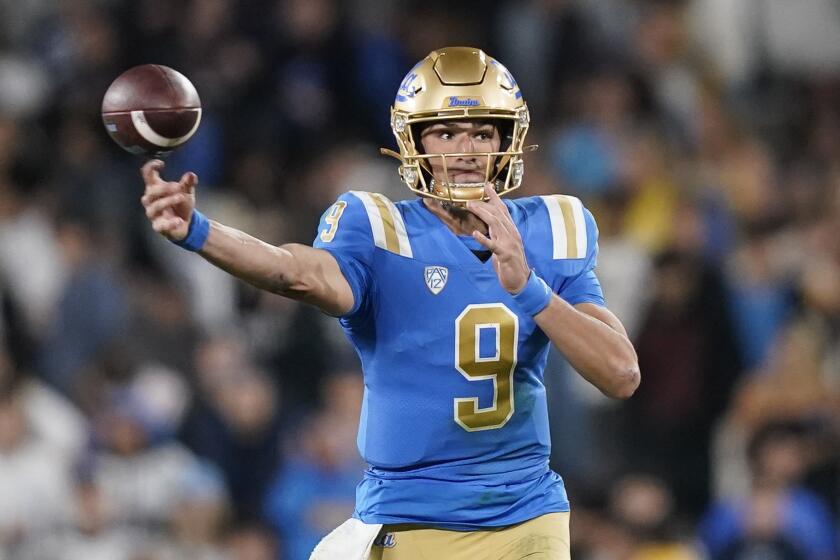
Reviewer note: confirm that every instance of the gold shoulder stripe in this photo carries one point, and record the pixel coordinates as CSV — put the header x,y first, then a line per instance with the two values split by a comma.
x,y
391,242
386,223
569,223
568,226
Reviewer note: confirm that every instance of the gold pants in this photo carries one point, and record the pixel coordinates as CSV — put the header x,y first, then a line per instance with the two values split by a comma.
x,y
543,538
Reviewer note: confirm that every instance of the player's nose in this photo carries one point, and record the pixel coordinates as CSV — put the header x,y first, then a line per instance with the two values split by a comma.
x,y
466,145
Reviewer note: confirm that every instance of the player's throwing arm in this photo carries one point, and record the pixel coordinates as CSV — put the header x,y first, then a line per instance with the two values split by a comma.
x,y
293,270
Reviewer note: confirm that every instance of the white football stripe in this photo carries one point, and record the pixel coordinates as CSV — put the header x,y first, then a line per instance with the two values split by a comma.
x,y
558,227
560,230
138,118
376,224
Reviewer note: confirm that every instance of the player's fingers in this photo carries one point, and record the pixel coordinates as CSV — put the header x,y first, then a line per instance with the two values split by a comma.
x,y
165,224
157,190
188,182
161,204
492,216
485,241
507,223
481,210
495,200
151,171
490,195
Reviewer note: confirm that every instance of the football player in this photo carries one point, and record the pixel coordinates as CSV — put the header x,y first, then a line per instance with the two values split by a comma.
x,y
451,300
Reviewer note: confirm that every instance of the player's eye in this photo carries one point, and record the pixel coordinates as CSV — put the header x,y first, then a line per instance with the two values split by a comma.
x,y
484,135
445,135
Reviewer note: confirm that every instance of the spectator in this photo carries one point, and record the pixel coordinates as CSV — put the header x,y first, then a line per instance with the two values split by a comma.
x,y
92,534
779,516
35,476
252,542
644,505
687,349
141,472
90,311
198,517
235,422
315,491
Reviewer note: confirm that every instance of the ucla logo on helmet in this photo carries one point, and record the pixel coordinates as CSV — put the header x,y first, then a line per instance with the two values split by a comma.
x,y
506,73
388,540
436,278
407,87
509,83
460,101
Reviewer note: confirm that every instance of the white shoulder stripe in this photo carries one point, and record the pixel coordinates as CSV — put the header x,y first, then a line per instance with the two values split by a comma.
x,y
376,224
568,226
386,223
558,230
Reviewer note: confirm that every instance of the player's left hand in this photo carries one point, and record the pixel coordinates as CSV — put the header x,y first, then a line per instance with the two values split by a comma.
x,y
503,240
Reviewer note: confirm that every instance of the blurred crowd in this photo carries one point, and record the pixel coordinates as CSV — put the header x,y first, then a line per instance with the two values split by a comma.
x,y
152,408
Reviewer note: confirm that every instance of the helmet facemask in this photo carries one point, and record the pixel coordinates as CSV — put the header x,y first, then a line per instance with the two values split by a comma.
x,y
485,92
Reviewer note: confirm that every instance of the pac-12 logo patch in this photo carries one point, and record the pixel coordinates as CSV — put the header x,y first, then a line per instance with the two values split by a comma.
x,y
436,278
388,540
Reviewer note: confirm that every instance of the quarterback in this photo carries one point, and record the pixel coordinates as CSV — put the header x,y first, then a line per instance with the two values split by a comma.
x,y
451,300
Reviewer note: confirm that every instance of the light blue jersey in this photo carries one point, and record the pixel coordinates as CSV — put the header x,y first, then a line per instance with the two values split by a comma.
x,y
454,420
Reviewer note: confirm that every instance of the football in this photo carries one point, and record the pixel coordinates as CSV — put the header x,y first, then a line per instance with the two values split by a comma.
x,y
151,109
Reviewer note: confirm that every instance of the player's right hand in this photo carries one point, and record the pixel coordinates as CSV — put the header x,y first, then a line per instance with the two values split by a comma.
x,y
169,204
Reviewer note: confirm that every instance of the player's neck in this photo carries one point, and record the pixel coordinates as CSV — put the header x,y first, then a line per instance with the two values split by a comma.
x,y
458,219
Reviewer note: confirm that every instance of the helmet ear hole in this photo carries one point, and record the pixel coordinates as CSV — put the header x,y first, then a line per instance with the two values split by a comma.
x,y
505,128
417,135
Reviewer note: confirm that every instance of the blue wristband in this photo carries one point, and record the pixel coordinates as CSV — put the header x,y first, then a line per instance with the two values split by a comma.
x,y
196,234
535,296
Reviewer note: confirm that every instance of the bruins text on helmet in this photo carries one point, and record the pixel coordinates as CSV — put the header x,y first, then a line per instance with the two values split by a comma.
x,y
459,84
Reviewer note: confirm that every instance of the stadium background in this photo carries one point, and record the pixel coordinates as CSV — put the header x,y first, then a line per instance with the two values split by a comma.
x,y
152,408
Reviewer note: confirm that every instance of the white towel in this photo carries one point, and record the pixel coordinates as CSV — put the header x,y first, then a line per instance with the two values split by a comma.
x,y
349,541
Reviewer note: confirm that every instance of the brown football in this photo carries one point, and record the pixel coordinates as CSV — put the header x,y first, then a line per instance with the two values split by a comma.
x,y
151,109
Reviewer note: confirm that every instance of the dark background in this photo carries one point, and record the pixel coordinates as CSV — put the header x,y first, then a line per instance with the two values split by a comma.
x,y
153,408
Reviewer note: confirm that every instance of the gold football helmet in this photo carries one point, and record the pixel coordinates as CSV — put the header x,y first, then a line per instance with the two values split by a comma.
x,y
459,84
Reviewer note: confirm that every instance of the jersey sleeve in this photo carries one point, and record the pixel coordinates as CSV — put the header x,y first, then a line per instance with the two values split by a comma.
x,y
563,239
345,231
